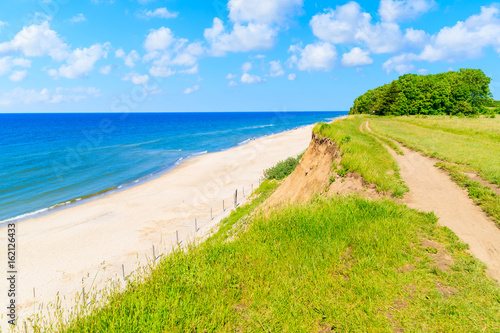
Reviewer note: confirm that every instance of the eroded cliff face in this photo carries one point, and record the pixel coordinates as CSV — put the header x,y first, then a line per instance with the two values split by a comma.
x,y
313,176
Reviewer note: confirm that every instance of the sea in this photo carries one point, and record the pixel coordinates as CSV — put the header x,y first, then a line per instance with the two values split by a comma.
x,y
49,161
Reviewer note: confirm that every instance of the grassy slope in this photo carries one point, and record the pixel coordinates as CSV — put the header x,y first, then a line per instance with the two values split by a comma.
x,y
481,152
345,263
363,154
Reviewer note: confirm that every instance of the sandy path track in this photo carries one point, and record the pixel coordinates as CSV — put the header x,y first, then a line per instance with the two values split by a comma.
x,y
431,189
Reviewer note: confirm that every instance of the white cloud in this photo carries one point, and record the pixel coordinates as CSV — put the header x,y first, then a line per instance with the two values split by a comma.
x,y
349,24
340,25
243,38
37,41
105,70
120,53
263,11
21,62
317,56
230,76
276,69
291,76
400,10
255,25
192,70
246,67
49,96
401,63
7,63
78,18
178,53
191,89
187,54
161,71
158,13
466,40
232,83
356,57
81,62
137,78
17,76
423,71
416,38
129,59
248,78
2,24
107,2
159,39
383,37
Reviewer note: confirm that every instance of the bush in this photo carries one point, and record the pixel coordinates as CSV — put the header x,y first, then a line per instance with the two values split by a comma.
x,y
283,168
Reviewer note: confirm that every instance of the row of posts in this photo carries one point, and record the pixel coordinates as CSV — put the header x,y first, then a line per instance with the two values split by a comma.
x,y
177,239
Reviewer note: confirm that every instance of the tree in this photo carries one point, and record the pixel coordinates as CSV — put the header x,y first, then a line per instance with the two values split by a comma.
x,y
464,92
400,107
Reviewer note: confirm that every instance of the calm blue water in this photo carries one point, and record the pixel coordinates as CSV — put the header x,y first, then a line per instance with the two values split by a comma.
x,y
49,159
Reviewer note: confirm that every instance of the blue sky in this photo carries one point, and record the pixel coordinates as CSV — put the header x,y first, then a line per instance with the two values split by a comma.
x,y
231,55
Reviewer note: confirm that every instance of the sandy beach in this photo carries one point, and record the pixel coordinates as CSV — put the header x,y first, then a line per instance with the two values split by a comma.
x,y
86,245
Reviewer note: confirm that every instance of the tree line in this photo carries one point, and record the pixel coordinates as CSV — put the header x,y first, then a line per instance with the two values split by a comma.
x,y
464,92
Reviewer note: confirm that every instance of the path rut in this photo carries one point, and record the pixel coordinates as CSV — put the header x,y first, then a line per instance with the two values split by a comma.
x,y
432,189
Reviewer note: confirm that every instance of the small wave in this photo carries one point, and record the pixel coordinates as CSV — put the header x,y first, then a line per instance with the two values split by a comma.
x,y
198,154
23,216
40,211
137,144
60,204
179,161
245,142
258,126
232,130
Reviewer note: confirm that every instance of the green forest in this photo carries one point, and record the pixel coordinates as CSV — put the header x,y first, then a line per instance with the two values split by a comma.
x,y
464,92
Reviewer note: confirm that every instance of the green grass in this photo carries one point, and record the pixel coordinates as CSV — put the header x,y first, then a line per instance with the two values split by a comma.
x,y
467,141
482,127
482,195
362,153
393,145
345,264
283,168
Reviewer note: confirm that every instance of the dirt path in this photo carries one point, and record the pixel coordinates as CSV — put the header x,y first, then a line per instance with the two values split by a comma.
x,y
431,189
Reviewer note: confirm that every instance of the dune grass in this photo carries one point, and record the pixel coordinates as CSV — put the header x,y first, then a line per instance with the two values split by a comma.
x,y
479,151
341,264
362,153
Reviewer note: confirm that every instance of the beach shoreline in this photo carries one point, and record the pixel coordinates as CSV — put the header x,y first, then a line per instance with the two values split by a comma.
x,y
76,201
66,250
